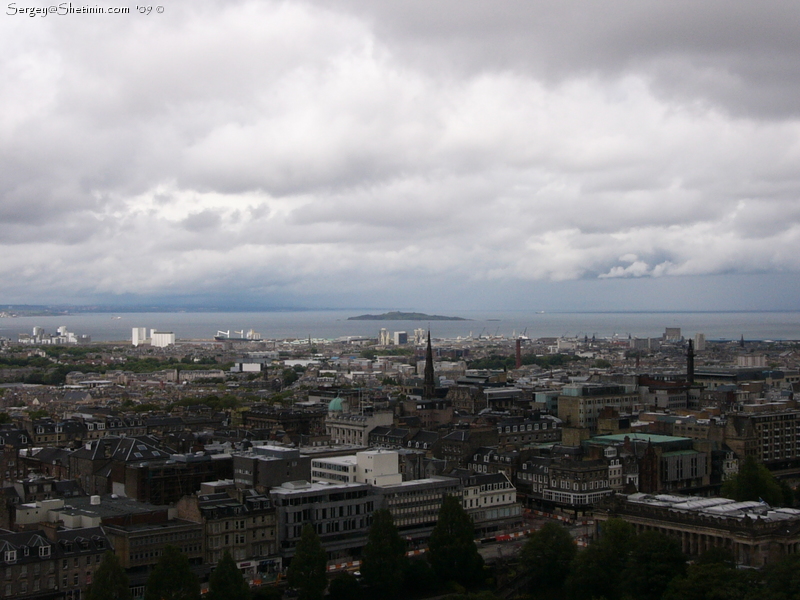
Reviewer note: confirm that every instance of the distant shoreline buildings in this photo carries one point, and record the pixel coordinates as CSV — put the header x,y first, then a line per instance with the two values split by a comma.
x,y
157,339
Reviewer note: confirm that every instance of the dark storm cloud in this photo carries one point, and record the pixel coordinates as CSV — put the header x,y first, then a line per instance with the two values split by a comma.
x,y
741,55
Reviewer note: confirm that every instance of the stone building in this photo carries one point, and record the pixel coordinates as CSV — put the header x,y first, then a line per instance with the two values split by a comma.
x,y
353,428
240,521
50,563
767,433
755,533
580,405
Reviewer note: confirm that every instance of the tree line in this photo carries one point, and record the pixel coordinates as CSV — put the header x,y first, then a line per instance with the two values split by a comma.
x,y
623,565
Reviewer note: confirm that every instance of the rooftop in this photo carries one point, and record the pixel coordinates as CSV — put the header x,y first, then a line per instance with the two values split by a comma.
x,y
717,507
637,437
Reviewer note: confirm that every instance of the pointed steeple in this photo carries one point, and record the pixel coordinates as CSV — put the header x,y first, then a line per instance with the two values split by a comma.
x,y
429,383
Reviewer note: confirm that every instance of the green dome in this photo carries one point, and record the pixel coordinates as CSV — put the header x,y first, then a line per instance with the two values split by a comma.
x,y
335,405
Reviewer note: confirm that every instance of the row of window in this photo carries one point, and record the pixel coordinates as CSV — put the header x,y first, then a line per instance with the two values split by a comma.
x,y
528,427
22,587
165,539
11,555
157,553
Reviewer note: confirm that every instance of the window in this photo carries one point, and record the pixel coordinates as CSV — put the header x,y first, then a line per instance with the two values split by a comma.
x,y
11,556
44,551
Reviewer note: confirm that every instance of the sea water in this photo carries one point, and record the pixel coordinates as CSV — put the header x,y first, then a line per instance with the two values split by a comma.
x,y
333,324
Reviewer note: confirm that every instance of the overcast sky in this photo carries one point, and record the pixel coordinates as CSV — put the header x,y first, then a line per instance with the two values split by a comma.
x,y
419,154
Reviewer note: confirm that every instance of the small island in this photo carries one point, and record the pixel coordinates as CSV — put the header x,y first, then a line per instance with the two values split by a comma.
x,y
404,316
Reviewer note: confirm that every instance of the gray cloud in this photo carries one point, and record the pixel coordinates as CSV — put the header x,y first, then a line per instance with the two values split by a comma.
x,y
283,148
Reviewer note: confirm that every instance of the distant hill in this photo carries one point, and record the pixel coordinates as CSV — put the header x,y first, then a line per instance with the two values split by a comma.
x,y
404,316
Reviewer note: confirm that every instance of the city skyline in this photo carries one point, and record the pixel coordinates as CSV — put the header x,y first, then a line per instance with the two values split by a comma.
x,y
457,156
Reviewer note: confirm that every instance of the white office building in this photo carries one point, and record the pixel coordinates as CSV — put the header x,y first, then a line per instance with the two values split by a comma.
x,y
139,336
375,467
162,339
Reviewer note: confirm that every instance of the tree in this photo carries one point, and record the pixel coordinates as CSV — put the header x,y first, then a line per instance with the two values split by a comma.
x,y
596,570
226,581
754,482
653,563
420,578
345,587
714,581
270,592
451,549
547,556
172,578
384,557
289,377
782,579
307,571
110,581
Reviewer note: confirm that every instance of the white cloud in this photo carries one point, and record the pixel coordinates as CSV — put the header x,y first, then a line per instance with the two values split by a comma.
x,y
280,146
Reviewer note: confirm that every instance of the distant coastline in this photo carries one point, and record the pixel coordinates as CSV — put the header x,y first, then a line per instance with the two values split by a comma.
x,y
405,316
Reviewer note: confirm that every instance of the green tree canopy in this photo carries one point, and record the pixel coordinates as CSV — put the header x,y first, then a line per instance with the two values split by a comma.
x,y
226,581
596,570
451,549
172,578
110,581
782,579
384,558
345,587
714,581
269,592
307,571
755,482
289,377
547,556
419,577
653,563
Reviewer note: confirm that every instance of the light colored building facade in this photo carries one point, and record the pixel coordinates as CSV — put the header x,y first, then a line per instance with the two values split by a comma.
x,y
354,428
162,339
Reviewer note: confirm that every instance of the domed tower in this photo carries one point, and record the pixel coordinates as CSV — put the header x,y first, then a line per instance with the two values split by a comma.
x,y
337,405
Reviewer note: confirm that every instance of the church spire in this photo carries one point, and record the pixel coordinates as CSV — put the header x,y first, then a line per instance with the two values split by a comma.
x,y
429,383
